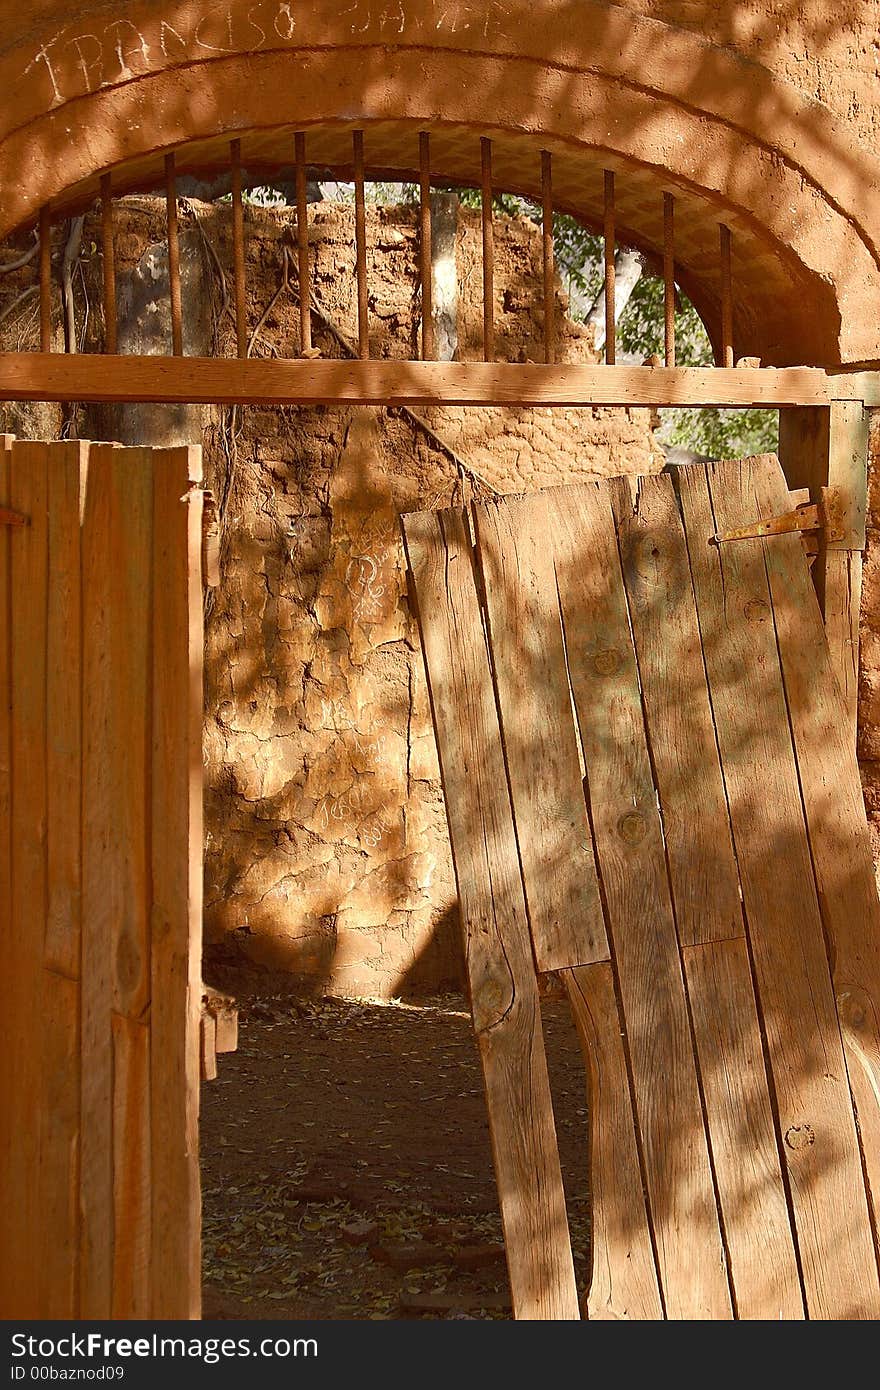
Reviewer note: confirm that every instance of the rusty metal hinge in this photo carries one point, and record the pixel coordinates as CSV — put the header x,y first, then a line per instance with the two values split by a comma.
x,y
825,516
10,518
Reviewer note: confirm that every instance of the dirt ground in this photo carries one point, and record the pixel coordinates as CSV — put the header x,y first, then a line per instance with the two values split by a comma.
x,y
343,1135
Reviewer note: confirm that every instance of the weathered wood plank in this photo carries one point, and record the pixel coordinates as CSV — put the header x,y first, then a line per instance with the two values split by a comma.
x,y
632,866
842,597
56,1238
59,376
131,1168
553,831
176,864
101,896
838,829
501,974
794,987
624,1273
7,932
59,1004
699,847
745,1145
23,946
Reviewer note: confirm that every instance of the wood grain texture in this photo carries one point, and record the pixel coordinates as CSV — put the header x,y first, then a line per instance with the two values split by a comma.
x,y
55,1242
623,1280
784,927
176,866
132,1291
553,831
7,930
632,867
684,753
23,963
745,1145
101,884
838,829
60,377
503,988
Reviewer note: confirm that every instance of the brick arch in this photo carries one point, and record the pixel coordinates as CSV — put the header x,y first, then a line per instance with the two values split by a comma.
x,y
595,84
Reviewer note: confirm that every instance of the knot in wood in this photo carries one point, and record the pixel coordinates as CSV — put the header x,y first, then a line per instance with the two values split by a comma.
x,y
756,611
607,661
632,827
800,1137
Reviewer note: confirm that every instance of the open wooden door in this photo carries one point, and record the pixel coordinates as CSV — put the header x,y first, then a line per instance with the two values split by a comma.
x,y
100,880
651,788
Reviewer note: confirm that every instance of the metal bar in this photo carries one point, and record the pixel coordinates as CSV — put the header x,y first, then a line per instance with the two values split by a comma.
x,y
428,349
726,299
488,252
173,255
669,279
360,239
241,336
45,281
108,241
610,312
547,240
302,244
228,381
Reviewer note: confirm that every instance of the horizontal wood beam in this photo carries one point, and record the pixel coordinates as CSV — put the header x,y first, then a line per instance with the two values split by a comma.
x,y
227,381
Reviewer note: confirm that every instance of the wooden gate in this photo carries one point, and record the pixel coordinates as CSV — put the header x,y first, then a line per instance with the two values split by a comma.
x,y
100,880
651,788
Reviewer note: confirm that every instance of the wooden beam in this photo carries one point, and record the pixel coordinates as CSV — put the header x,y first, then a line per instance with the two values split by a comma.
x,y
224,381
609,237
173,256
45,281
488,251
726,299
549,271
360,239
425,244
108,241
669,279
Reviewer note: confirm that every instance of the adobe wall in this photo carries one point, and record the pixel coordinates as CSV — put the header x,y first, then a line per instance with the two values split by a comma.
x,y
326,842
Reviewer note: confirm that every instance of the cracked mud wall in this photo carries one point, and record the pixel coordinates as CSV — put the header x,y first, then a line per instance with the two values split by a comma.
x,y
326,844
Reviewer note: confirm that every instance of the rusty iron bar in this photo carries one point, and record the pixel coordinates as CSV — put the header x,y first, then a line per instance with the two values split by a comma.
x,y
669,279
45,281
108,246
360,239
173,255
547,240
302,243
488,252
241,334
726,299
609,234
425,245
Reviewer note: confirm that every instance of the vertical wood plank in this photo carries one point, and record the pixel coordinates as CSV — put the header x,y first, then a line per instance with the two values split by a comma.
x,y
836,821
176,769
59,1007
624,1273
132,1199
100,885
108,247
428,349
488,229
706,895
504,997
6,534
302,244
687,767
745,1147
632,867
553,831
22,1060
241,336
547,244
791,970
